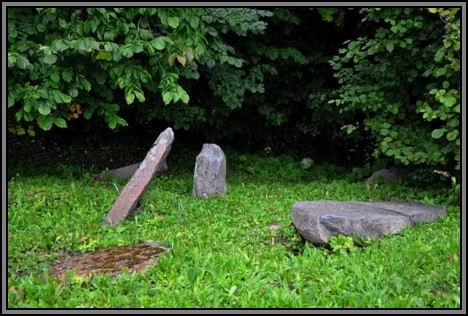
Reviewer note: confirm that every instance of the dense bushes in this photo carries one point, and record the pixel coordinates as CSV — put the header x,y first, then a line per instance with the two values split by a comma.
x,y
248,77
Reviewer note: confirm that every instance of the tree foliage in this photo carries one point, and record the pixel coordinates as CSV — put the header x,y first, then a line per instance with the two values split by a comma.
x,y
401,83
340,80
95,56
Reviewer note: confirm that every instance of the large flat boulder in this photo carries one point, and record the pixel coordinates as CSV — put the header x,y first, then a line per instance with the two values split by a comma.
x,y
317,221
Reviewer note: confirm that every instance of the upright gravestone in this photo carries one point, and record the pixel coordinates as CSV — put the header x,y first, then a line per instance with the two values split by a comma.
x,y
136,187
209,178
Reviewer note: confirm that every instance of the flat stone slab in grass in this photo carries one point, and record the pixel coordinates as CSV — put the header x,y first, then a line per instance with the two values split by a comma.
x,y
111,261
127,172
136,187
317,221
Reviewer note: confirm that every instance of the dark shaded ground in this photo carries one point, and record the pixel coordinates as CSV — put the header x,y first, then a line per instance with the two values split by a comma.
x,y
95,151
49,151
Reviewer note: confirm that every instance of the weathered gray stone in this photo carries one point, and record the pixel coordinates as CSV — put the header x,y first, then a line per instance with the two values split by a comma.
x,y
317,221
136,187
209,178
127,172
391,174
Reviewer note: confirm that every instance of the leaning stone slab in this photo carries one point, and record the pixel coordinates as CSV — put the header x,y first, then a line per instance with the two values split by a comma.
x,y
317,221
136,187
209,178
127,172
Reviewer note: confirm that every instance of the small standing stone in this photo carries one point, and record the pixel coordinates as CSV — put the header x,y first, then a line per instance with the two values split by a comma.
x,y
209,178
392,174
136,187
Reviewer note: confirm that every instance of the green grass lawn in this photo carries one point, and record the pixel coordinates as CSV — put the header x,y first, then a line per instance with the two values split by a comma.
x,y
225,254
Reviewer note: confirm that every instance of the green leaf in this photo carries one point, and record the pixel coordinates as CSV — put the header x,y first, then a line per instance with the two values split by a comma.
x,y
112,122
182,59
427,73
129,97
60,122
41,27
55,76
19,114
158,43
11,100
66,75
189,53
22,62
336,66
449,102
389,47
12,32
45,122
63,24
43,109
384,132
140,96
104,55
439,55
60,45
432,10
126,51
453,122
184,97
150,49
146,35
438,133
83,83
73,91
451,136
167,97
193,20
125,28
88,113
441,72
50,59
109,36
176,97
211,63
137,47
352,45
173,21
12,59
172,58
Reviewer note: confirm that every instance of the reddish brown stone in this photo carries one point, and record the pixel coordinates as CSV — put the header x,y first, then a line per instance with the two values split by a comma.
x,y
111,261
136,187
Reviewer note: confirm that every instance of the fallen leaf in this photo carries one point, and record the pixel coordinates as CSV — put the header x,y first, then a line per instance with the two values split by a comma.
x,y
274,226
